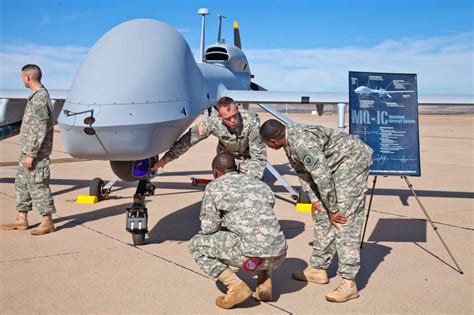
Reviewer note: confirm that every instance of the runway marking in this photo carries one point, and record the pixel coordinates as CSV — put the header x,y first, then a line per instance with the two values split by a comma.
x,y
56,255
53,161
5,194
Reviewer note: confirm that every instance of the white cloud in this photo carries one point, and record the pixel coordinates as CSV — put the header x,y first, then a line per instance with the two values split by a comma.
x,y
58,63
444,64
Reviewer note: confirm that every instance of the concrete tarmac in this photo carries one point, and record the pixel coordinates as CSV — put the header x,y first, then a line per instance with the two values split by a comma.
x,y
89,266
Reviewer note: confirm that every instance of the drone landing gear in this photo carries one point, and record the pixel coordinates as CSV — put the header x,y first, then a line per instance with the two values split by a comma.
x,y
99,189
137,214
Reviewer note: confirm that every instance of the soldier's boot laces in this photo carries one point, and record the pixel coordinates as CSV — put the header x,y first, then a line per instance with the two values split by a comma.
x,y
347,290
46,226
264,286
237,290
20,223
312,275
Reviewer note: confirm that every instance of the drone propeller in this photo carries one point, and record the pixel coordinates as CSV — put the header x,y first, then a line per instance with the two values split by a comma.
x,y
237,42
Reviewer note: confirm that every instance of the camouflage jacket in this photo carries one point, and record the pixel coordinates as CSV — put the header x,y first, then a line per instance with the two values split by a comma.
x,y
37,126
244,205
245,143
316,153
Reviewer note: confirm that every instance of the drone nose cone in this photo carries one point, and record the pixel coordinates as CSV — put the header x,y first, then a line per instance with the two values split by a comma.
x,y
133,92
138,61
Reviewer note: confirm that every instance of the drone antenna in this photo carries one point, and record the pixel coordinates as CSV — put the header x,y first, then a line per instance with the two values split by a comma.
x,y
203,12
220,17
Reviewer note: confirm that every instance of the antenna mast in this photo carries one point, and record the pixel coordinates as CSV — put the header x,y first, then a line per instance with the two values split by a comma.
x,y
220,17
203,12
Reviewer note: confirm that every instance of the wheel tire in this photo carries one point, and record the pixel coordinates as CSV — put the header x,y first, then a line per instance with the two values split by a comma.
x,y
138,238
95,188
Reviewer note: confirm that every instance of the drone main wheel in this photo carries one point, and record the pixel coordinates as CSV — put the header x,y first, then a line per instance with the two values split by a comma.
x,y
138,238
96,188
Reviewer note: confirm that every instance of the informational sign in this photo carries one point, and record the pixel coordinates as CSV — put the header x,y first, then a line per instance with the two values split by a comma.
x,y
383,112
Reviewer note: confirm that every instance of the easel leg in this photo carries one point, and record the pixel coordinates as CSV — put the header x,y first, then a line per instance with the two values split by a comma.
x,y
368,211
435,228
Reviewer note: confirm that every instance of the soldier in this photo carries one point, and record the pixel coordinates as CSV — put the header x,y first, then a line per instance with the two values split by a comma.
x,y
238,228
332,167
36,143
237,132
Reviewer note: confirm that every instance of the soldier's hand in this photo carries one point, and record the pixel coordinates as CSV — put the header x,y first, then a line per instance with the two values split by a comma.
x,y
316,206
337,219
160,164
28,162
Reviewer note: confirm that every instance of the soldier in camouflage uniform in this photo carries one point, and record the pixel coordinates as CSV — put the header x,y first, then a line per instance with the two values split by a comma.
x,y
333,167
238,228
237,131
36,143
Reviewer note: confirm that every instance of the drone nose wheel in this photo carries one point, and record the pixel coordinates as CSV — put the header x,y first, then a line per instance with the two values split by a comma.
x,y
138,238
137,215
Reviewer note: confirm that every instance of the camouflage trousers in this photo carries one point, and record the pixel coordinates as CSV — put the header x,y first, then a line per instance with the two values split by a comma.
x,y
327,240
32,186
215,252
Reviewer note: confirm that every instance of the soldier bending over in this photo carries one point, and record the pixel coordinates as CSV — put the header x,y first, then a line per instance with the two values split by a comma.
x,y
237,131
332,167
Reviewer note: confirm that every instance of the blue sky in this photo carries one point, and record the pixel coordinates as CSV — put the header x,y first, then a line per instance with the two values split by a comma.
x,y
291,45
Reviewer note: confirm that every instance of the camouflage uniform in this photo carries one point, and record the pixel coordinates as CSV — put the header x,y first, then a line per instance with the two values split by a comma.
x,y
332,167
244,205
36,140
245,144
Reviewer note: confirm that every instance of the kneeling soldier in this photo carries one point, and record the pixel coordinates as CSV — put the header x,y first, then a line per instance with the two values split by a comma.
x,y
238,228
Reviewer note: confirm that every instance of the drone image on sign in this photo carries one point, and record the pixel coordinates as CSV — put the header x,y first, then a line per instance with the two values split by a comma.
x,y
383,112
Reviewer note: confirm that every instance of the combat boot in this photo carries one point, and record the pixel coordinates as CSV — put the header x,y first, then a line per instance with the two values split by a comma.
x,y
237,290
264,286
347,290
20,223
46,226
311,274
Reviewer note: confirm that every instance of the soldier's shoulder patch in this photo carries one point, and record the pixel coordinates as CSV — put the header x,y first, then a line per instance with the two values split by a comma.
x,y
41,113
309,160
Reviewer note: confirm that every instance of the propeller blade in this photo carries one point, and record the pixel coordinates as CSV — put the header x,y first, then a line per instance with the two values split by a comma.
x,y
237,42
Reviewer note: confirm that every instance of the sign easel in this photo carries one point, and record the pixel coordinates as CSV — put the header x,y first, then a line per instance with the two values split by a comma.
x,y
383,112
